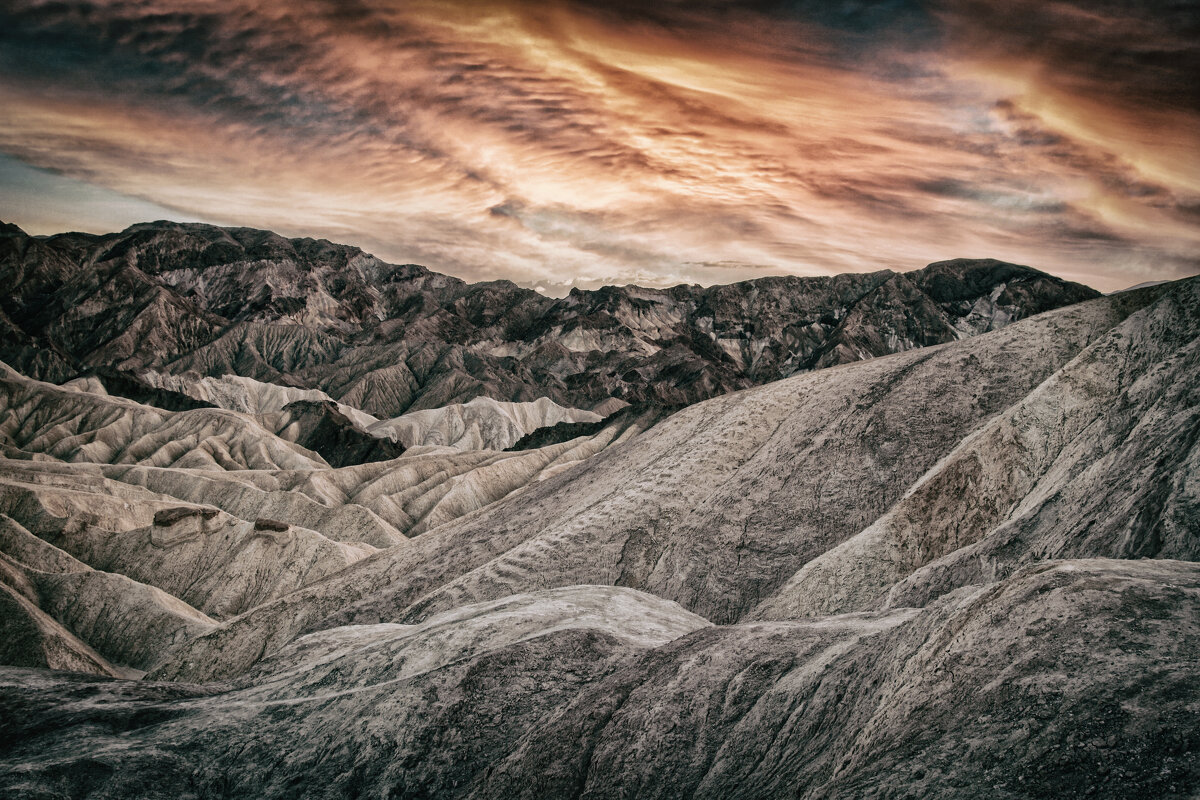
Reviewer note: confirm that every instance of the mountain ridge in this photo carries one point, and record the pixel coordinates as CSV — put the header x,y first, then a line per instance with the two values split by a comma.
x,y
388,339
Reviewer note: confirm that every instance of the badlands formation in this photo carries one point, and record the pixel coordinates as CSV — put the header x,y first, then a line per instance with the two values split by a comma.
x,y
280,520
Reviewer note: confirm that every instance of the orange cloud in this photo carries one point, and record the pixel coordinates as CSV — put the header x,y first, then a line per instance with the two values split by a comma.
x,y
566,144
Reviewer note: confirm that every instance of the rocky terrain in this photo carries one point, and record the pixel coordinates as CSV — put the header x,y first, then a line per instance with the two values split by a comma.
x,y
958,562
205,302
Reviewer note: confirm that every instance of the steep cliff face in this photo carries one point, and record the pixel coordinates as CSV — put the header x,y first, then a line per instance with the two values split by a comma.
x,y
388,339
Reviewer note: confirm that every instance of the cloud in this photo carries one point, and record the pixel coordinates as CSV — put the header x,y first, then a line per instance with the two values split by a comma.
x,y
582,142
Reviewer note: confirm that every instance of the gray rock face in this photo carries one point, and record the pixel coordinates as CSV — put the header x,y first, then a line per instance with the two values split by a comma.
x,y
956,571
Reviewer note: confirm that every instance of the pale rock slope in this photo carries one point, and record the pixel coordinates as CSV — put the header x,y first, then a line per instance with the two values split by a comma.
x,y
247,395
481,424
1101,459
94,546
379,503
73,425
264,475
308,417
32,638
159,550
62,614
124,573
606,692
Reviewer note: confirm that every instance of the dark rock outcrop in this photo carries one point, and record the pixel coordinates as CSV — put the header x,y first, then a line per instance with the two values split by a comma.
x,y
322,428
127,385
169,516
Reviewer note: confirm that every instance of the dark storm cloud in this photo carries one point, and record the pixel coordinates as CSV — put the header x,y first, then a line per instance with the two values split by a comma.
x,y
1143,54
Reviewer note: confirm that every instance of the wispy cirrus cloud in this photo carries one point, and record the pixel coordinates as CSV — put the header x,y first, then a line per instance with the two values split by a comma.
x,y
584,143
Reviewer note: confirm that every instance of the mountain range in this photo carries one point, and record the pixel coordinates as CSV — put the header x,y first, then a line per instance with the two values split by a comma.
x,y
278,519
195,299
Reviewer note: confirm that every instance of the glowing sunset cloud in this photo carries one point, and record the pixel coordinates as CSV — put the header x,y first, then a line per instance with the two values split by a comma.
x,y
580,143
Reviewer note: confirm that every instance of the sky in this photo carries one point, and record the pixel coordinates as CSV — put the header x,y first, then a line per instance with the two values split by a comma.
x,y
561,143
